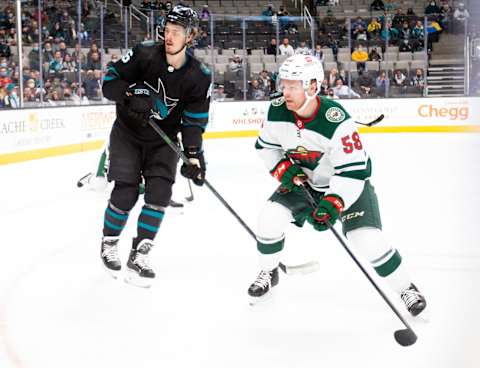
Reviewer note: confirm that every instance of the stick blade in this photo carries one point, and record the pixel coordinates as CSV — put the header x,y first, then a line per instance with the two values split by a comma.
x,y
405,337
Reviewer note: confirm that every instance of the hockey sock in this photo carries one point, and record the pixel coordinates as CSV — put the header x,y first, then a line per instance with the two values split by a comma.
x,y
148,223
269,252
114,220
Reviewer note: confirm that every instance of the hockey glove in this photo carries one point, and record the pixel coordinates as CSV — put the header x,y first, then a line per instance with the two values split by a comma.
x,y
195,170
139,103
329,208
290,175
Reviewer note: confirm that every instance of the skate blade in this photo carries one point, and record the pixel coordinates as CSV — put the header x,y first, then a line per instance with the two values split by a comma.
x,y
113,274
133,279
254,300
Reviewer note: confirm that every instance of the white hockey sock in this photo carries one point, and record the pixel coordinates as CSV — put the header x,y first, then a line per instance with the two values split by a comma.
x,y
269,261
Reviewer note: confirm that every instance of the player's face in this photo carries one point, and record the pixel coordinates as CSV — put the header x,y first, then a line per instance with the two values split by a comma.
x,y
175,38
293,93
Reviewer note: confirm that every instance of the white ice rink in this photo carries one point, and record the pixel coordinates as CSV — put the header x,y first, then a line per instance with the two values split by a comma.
x,y
59,308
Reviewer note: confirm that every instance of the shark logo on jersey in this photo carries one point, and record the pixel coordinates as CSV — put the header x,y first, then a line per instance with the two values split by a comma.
x,y
304,157
163,104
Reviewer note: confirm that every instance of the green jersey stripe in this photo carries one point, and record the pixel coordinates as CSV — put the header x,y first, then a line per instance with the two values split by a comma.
x,y
361,163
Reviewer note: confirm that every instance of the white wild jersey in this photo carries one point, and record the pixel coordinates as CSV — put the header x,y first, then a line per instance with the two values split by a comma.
x,y
327,146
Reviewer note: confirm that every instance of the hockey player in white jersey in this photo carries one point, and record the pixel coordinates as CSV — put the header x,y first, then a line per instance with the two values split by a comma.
x,y
311,140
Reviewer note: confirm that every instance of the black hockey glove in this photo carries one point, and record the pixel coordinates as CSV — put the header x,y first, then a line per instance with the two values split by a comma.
x,y
139,103
195,170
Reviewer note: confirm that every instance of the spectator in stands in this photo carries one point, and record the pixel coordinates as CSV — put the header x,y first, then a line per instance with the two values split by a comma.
x,y
360,56
272,48
331,94
203,41
11,100
268,12
377,5
324,87
285,48
56,65
265,82
113,59
405,46
389,33
446,15
333,76
93,84
5,79
93,49
329,19
69,65
235,64
255,91
205,13
79,56
48,52
57,32
405,32
318,53
365,84
399,19
460,17
399,78
5,49
343,91
94,62
432,8
218,93
418,80
303,49
359,22
418,35
146,6
360,33
83,34
382,82
374,55
62,47
374,28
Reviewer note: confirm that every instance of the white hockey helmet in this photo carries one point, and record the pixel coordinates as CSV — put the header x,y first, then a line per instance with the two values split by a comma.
x,y
304,68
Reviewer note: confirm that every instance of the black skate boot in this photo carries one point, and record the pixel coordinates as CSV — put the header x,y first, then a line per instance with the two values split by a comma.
x,y
260,289
174,204
414,300
109,254
139,272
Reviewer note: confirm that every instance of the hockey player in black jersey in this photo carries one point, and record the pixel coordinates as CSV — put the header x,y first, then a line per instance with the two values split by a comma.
x,y
164,81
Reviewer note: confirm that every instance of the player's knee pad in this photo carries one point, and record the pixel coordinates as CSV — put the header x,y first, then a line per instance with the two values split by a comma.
x,y
369,242
272,221
158,191
124,195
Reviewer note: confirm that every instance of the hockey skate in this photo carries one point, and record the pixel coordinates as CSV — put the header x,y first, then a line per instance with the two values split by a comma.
x,y
109,255
139,271
414,300
261,288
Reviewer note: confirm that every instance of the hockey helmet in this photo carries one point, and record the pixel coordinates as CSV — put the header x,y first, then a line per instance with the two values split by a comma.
x,y
184,16
304,68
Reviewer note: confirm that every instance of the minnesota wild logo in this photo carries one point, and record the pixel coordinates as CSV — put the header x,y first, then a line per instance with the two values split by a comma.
x,y
304,157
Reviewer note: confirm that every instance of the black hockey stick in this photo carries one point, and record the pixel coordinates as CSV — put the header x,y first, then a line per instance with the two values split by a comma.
x,y
405,337
190,197
304,268
81,182
373,122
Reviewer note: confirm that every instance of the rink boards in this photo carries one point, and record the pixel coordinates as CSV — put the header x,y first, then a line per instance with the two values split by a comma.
x,y
36,133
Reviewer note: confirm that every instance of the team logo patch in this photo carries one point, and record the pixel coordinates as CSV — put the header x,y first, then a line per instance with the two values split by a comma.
x,y
278,101
335,115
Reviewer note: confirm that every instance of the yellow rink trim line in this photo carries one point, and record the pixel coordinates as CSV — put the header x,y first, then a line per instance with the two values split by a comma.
x,y
9,158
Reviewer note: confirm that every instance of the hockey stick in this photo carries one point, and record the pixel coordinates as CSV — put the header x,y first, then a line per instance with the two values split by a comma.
x,y
304,268
405,337
373,122
81,182
190,197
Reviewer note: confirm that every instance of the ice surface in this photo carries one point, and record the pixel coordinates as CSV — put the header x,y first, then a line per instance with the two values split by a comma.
x,y
59,308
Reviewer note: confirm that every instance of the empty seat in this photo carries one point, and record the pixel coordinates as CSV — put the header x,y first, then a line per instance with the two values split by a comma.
x,y
405,56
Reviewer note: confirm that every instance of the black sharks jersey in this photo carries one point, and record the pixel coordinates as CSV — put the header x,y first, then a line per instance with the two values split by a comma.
x,y
182,96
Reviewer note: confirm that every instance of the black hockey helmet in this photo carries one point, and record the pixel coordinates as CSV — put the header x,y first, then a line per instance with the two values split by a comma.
x,y
184,16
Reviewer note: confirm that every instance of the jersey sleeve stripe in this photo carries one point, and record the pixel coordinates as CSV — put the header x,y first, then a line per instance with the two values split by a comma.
x,y
111,70
196,115
266,144
361,163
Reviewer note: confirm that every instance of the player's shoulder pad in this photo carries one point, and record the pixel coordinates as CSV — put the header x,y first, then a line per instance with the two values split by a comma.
x,y
197,64
278,111
333,112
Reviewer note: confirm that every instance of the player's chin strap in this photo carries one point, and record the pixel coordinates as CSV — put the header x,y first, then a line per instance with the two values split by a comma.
x,y
307,101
